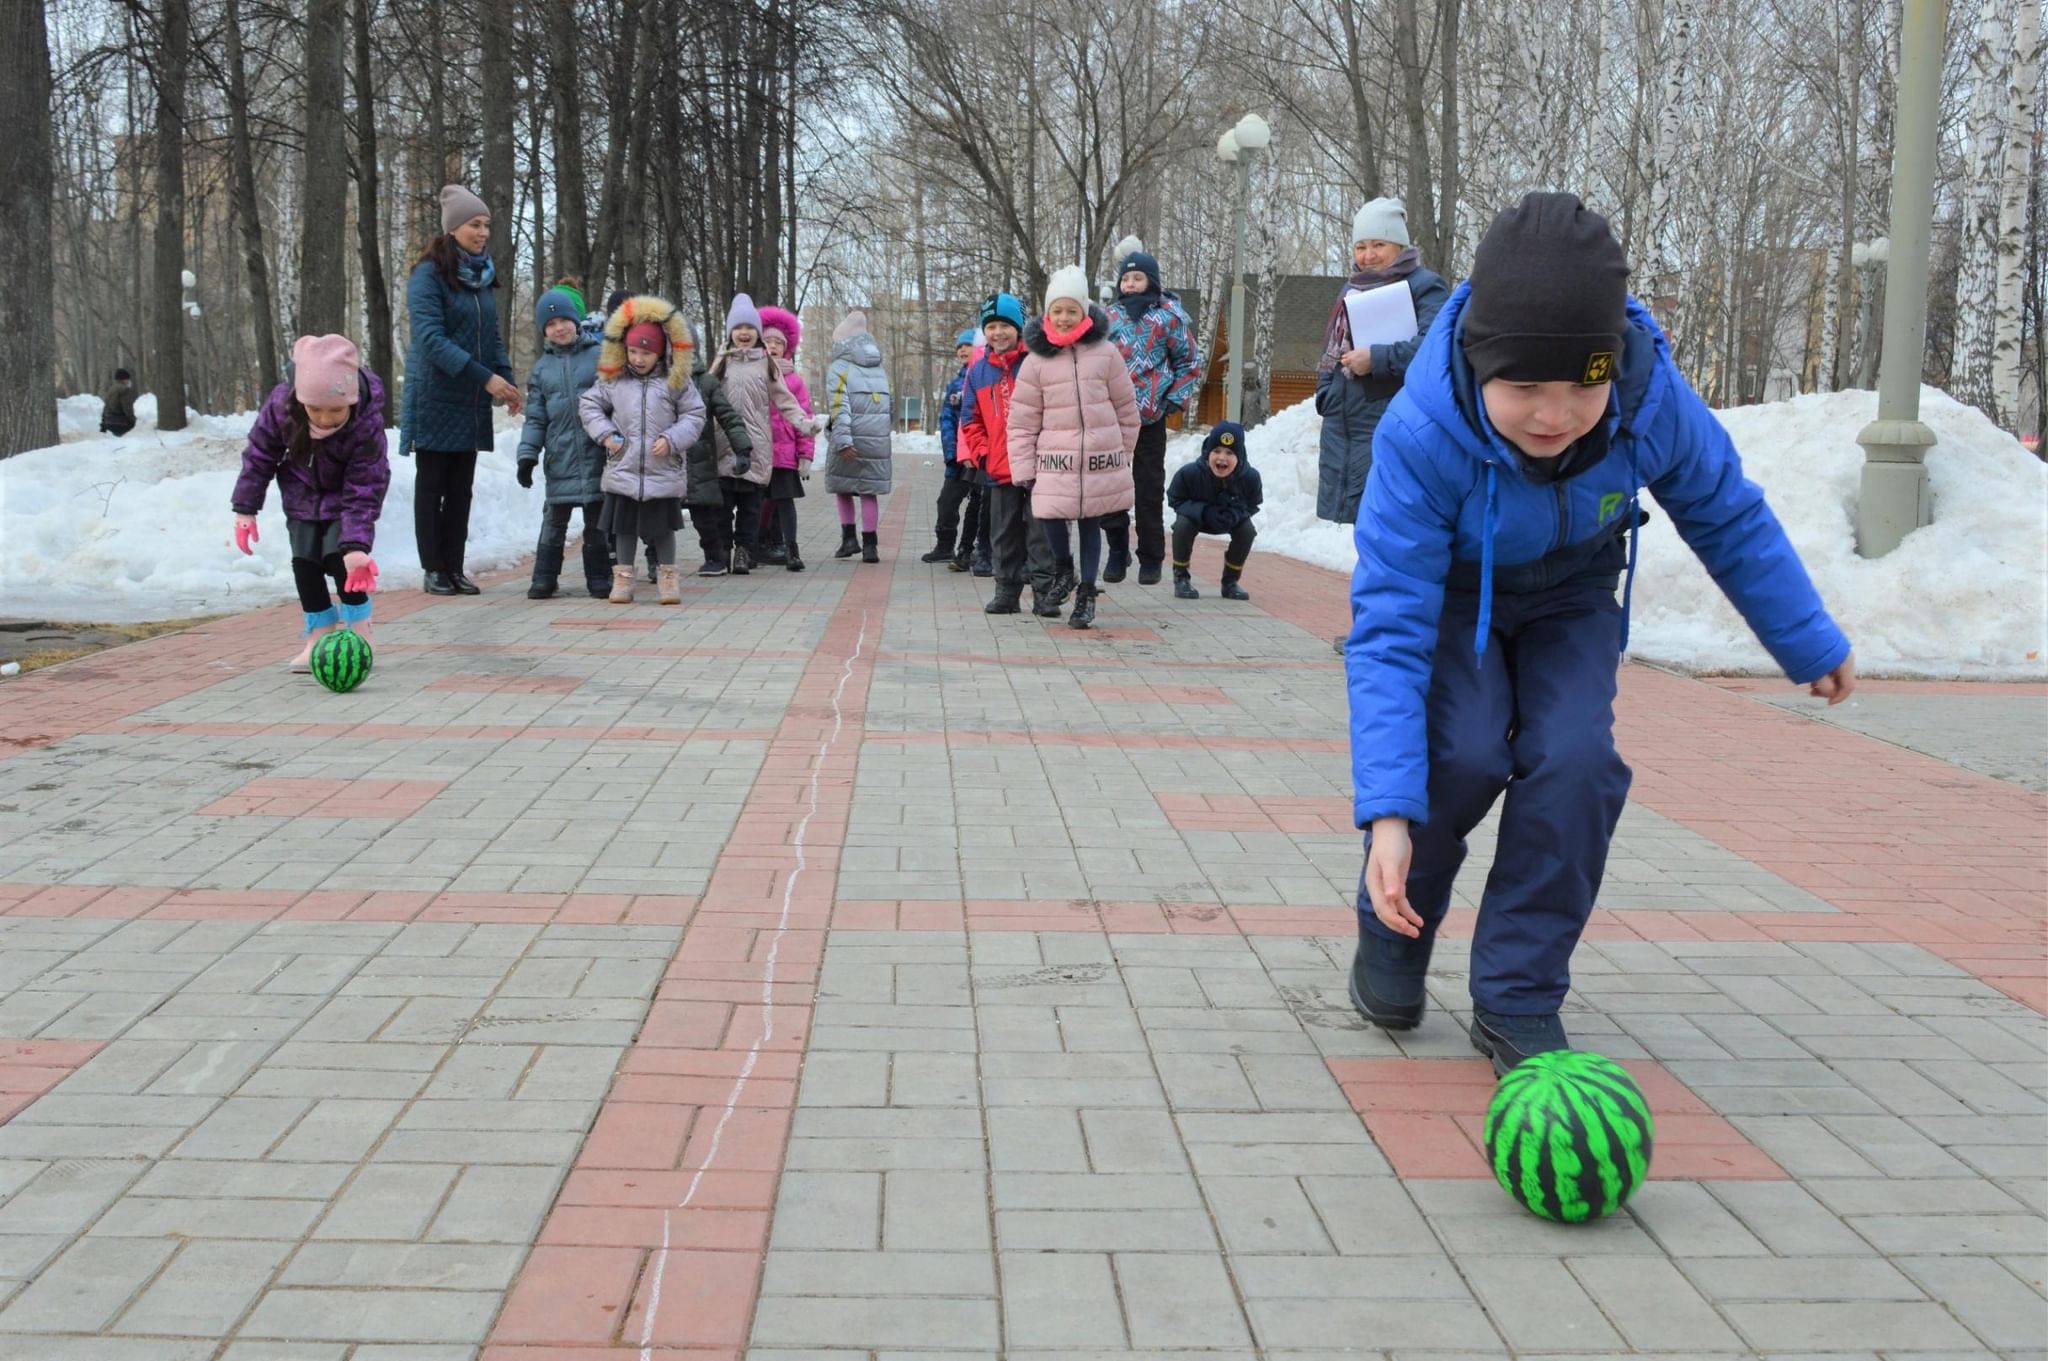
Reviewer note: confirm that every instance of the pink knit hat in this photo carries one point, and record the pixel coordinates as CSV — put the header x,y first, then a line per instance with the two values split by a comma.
x,y
324,371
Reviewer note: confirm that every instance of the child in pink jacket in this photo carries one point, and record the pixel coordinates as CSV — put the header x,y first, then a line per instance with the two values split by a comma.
x,y
1073,424
781,333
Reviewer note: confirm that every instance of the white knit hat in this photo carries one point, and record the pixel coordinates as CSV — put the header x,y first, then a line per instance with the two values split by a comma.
x,y
1068,281
1384,219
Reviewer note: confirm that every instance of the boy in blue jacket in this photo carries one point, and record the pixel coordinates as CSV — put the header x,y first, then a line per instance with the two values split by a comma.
x,y
959,483
1497,522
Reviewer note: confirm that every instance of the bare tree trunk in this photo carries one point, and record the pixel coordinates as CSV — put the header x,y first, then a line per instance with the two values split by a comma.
x,y
572,225
248,214
369,211
323,285
1991,65
1414,103
28,343
495,184
2012,211
168,361
1450,186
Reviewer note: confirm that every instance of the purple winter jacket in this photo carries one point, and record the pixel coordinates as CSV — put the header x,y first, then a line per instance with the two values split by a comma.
x,y
342,478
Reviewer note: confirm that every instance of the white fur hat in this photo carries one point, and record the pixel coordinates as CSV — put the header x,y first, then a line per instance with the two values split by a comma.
x,y
1069,281
1384,219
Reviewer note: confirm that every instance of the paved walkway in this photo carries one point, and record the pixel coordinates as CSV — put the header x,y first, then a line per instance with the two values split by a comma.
x,y
824,970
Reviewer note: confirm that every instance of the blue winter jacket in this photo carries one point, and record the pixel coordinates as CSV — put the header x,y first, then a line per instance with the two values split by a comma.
x,y
455,349
1448,506
949,422
554,426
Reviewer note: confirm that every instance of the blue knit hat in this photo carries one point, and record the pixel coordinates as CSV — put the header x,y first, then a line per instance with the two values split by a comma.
x,y
742,313
1002,307
1226,435
556,304
966,337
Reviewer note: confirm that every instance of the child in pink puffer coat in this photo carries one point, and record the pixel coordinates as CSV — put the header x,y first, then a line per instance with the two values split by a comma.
x,y
781,333
1073,424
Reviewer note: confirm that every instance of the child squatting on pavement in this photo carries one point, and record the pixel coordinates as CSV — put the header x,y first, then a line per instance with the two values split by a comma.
x,y
1499,519
320,436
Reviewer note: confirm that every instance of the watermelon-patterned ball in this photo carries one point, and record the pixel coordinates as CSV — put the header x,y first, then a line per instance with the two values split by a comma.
x,y
1569,1135
341,660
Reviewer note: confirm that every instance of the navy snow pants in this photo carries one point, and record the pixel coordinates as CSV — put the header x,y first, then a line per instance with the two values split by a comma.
x,y
1534,718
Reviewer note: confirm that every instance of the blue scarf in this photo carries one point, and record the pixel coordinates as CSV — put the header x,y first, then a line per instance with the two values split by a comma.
x,y
474,272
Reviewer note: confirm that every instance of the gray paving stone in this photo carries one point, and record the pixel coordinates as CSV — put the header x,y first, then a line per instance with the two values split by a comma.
x,y
1537,1305
925,1211
87,1286
885,1322
912,1274
1818,1279
1392,1324
497,1205
67,1196
821,1210
1060,1299
205,1289
408,1316
392,1266
1652,1305
1180,1300
387,1201
1891,1327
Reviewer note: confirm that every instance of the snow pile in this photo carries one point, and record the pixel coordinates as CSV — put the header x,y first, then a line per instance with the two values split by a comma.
x,y
113,530
1965,597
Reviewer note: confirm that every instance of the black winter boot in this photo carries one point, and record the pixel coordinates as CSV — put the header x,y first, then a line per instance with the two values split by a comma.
x,y
742,560
1184,586
870,546
1063,583
1004,601
1083,616
652,565
848,544
1148,574
794,562
982,565
1231,590
547,572
1119,559
962,559
1045,606
942,551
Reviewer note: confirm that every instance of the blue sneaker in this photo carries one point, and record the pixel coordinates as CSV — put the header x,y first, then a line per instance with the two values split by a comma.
x,y
1507,1040
1388,980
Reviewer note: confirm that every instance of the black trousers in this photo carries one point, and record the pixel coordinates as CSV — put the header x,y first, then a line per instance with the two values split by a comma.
x,y
1185,531
954,494
311,579
713,525
743,505
1148,477
554,536
440,507
1017,544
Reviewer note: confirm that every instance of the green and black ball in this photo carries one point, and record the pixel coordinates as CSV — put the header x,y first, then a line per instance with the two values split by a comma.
x,y
341,660
1569,1135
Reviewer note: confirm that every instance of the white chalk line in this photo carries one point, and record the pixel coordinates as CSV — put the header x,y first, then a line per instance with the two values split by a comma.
x,y
739,1086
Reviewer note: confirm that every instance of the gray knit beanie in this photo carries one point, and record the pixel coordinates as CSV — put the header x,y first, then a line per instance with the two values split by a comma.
x,y
458,206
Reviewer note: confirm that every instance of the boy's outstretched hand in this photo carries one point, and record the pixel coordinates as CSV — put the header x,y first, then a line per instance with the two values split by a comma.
x,y
1386,877
1838,684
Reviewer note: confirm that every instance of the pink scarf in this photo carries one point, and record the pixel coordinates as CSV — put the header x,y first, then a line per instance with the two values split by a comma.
x,y
1062,339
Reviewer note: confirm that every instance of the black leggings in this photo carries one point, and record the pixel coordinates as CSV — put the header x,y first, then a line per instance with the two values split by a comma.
x,y
440,507
743,503
1056,534
311,579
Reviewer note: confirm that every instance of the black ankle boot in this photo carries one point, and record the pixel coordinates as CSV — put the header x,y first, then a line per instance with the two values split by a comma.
x,y
870,546
849,544
941,552
1083,616
1231,590
1184,586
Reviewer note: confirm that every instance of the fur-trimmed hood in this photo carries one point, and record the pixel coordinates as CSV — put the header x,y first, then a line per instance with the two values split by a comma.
x,y
785,321
611,360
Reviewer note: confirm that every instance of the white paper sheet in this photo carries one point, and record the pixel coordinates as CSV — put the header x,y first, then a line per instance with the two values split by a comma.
x,y
1381,316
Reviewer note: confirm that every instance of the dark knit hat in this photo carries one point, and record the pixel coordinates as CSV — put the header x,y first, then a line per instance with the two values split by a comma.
x,y
1226,435
1549,300
614,298
122,375
557,304
1144,262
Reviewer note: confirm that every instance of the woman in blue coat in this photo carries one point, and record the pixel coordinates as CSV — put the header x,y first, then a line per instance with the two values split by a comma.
x,y
456,367
1498,522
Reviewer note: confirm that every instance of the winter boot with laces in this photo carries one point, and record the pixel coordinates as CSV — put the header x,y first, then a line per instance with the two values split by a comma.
x,y
1063,583
1004,601
1083,616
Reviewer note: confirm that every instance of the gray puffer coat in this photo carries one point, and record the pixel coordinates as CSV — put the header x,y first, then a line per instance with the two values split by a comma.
x,y
858,414
554,435
641,411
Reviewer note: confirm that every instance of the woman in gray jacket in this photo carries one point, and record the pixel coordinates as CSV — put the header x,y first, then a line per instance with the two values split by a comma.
x,y
857,415
646,413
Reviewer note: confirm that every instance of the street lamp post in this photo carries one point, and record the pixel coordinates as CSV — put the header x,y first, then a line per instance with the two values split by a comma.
x,y
1894,499
1252,134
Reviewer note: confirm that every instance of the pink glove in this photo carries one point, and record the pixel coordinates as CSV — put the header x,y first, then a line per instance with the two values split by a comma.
x,y
246,533
362,572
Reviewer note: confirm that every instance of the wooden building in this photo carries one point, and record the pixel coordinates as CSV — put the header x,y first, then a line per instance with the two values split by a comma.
x,y
1301,315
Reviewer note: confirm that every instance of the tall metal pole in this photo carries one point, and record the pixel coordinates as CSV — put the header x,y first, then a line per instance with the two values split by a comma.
x,y
1894,499
1234,404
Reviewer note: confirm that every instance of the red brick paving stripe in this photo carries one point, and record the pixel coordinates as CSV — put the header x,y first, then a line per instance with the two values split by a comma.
x,y
677,1180
1040,737
207,904
29,1068
1428,1118
300,798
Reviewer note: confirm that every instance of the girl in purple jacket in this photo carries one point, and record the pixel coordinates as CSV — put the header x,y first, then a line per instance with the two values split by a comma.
x,y
321,436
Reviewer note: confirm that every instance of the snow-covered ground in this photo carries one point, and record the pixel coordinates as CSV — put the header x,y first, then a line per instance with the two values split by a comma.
x,y
1964,597
115,530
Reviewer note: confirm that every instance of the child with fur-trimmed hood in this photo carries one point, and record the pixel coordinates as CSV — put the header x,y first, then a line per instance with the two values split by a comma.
x,y
646,413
